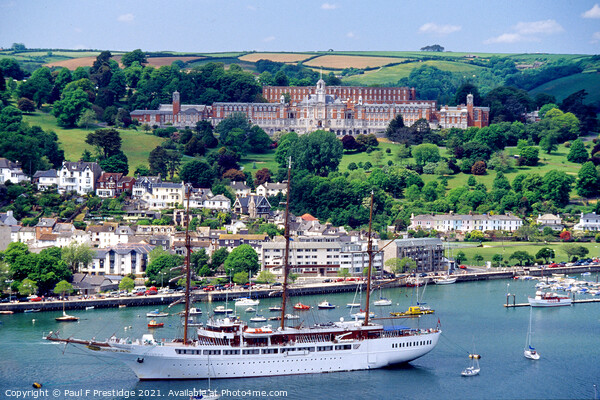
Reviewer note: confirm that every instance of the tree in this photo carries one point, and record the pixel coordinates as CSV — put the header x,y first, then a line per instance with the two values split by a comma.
x,y
198,173
161,268
263,175
25,105
557,186
136,55
87,117
478,258
172,162
126,284
199,260
107,141
28,287
574,251
522,257
218,258
529,155
588,182
68,110
546,253
63,287
158,161
577,152
265,277
407,265
116,163
242,259
318,152
460,257
433,47
426,153
497,260
478,168
77,255
240,277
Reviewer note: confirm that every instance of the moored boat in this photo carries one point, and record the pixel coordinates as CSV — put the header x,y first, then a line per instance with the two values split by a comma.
x,y
549,299
154,324
382,302
222,310
325,305
67,318
448,280
156,313
300,306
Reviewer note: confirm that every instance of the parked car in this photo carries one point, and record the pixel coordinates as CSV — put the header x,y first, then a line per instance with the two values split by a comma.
x,y
209,288
462,266
326,280
36,298
553,265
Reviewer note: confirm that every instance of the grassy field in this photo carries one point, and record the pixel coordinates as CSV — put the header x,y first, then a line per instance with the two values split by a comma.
x,y
507,248
360,62
276,57
254,162
135,144
563,87
391,75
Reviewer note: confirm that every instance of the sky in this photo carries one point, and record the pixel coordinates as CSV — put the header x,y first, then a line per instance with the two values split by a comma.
x,y
507,26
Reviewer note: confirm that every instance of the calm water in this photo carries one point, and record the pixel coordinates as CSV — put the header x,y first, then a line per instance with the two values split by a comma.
x,y
471,315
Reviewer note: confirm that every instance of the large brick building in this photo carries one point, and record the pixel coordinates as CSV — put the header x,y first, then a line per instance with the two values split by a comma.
x,y
344,110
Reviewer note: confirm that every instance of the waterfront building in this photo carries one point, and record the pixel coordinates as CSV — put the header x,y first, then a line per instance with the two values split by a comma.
x,y
231,241
122,259
87,284
428,253
465,223
320,256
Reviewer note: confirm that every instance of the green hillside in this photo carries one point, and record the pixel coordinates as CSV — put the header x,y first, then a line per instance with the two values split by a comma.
x,y
391,75
561,88
135,144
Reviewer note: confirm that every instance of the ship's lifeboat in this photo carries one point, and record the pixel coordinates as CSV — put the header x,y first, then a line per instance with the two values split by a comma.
x,y
265,331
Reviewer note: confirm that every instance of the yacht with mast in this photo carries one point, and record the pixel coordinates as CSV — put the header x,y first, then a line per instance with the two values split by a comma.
x,y
228,348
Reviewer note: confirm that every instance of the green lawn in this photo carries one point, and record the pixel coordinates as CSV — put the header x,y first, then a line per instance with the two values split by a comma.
x,y
507,248
135,144
254,162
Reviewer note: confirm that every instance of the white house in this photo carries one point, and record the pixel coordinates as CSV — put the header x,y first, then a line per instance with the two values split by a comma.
x,y
164,195
46,179
268,189
588,222
11,171
122,259
465,223
550,220
78,177
240,189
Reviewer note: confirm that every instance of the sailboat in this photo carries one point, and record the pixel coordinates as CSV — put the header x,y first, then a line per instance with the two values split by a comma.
x,y
382,300
354,304
529,351
238,351
66,317
473,369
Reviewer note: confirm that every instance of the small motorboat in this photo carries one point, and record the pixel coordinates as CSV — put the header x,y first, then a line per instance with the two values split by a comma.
x,y
250,309
156,313
353,305
154,324
246,301
325,305
258,318
300,306
8,312
122,305
194,311
275,308
32,310
89,308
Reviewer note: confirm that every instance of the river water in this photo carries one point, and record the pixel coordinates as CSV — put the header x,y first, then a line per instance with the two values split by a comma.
x,y
472,318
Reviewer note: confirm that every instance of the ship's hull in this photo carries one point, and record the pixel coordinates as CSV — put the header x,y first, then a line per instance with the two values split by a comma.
x,y
172,361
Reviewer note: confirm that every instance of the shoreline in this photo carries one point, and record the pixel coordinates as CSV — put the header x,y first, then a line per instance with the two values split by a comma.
x,y
304,289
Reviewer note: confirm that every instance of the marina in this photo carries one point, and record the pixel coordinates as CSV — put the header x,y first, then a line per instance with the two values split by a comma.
x,y
567,335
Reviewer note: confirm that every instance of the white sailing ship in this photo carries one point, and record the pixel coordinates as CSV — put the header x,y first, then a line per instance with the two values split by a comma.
x,y
228,348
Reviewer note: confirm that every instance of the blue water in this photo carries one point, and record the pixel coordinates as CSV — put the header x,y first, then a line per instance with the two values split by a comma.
x,y
472,318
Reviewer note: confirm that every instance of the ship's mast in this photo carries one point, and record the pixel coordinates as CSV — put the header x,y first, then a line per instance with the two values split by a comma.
x,y
370,254
188,274
286,254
